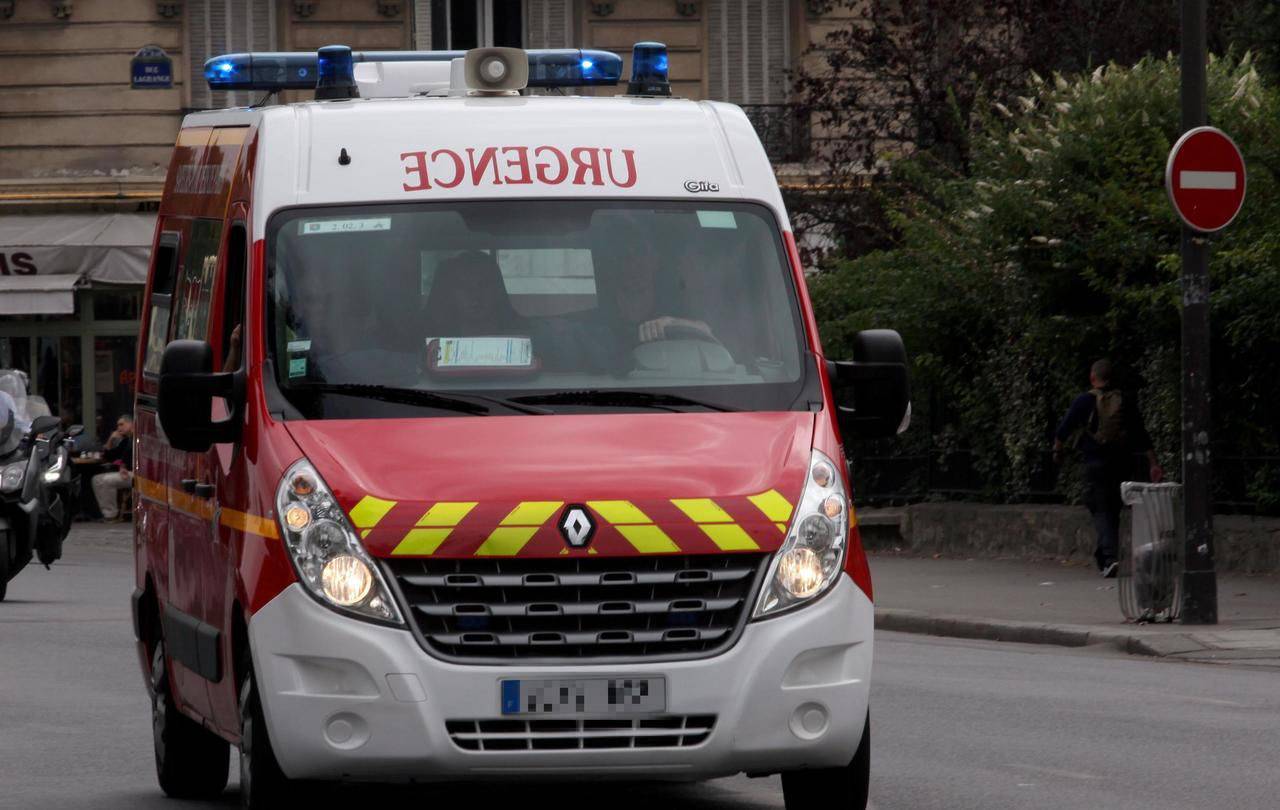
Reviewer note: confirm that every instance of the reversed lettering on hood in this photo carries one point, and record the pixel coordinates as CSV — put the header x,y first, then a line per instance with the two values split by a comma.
x,y
519,166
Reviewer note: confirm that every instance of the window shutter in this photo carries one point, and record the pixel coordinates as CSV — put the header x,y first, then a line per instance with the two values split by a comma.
x,y
548,24
748,51
422,25
225,26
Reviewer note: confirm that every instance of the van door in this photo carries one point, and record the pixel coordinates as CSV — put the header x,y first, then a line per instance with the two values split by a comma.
x,y
191,640
226,468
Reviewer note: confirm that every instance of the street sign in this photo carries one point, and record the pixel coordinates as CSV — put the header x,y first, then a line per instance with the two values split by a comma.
x,y
1205,178
150,68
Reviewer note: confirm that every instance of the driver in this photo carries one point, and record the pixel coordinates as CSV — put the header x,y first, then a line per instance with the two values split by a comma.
x,y
635,299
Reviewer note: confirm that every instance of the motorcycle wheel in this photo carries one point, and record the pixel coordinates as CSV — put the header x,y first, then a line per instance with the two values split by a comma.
x,y
6,558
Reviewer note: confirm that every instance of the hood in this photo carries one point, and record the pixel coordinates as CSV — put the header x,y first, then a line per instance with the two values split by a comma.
x,y
688,483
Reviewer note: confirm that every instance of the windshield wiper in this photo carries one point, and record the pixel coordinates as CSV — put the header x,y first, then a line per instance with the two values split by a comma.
x,y
474,404
620,398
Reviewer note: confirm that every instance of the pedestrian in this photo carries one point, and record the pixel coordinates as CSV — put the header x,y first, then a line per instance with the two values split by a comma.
x,y
1109,431
118,450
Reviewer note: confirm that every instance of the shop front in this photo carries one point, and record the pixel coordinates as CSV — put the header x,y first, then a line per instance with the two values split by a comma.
x,y
70,298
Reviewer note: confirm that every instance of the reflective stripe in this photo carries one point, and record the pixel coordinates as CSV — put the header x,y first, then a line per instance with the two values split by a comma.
x,y
252,524
446,513
151,489
517,528
635,526
773,504
191,505
433,528
370,510
647,539
617,512
531,513
422,541
702,510
506,541
729,536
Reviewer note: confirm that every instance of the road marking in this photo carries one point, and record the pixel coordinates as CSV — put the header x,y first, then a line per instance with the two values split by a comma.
x,y
1081,775
1214,181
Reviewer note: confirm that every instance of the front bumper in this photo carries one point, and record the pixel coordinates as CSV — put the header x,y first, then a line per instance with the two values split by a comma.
x,y
345,699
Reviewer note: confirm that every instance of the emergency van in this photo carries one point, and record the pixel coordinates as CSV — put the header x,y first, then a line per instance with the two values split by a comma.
x,y
483,431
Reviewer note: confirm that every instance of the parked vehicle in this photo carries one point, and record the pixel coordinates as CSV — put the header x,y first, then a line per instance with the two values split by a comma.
x,y
489,435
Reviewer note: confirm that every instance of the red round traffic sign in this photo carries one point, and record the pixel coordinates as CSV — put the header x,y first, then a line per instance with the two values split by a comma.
x,y
1205,178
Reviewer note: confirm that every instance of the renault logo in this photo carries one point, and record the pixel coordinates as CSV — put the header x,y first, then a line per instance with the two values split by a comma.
x,y
576,526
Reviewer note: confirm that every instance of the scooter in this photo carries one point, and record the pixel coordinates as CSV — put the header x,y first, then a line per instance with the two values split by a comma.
x,y
36,487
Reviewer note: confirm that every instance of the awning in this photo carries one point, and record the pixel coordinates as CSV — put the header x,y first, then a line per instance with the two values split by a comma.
x,y
111,248
38,295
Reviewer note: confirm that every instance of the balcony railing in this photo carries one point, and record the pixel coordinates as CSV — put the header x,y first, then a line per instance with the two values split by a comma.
x,y
783,128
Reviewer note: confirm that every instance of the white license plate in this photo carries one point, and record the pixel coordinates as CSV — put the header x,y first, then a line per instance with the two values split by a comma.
x,y
583,696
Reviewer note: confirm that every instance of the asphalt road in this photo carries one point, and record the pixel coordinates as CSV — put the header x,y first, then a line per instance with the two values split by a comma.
x,y
956,724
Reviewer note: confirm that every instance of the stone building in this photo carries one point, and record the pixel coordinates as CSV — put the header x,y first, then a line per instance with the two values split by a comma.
x,y
92,93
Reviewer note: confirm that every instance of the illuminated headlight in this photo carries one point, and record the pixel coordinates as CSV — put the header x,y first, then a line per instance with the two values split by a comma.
x,y
327,553
11,477
54,473
812,556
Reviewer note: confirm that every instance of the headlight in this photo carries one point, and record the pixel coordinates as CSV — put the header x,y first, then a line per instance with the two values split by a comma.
x,y
11,477
54,473
326,551
812,556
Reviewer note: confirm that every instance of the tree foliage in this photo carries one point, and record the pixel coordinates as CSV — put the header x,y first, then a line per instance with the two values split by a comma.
x,y
1057,245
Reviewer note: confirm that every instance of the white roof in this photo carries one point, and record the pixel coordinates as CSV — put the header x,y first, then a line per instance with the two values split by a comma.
x,y
411,149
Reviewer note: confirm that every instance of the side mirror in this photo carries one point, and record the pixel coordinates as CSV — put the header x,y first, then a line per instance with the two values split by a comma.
x,y
44,424
873,391
188,385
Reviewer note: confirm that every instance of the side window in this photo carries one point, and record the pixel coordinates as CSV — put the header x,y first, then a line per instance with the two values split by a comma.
x,y
166,267
195,289
233,298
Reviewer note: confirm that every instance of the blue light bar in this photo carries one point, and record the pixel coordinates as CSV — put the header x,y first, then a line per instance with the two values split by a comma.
x,y
649,70
270,72
335,71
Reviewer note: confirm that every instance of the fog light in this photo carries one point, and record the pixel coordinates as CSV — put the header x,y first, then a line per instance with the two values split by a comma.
x,y
346,580
800,572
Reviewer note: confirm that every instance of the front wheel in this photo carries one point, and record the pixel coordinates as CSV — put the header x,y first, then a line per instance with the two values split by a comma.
x,y
841,788
262,783
191,761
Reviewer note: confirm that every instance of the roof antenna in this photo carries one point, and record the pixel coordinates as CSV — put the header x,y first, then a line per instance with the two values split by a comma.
x,y
343,158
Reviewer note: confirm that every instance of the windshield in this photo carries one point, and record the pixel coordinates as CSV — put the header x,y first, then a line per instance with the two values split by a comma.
x,y
532,307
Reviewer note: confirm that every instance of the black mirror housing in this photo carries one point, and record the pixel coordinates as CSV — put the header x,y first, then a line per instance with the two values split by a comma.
x,y
188,386
873,391
44,424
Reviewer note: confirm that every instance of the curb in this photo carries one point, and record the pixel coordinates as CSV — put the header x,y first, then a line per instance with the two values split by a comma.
x,y
1061,635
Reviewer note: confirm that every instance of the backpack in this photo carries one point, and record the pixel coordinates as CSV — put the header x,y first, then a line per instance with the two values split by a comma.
x,y
1109,417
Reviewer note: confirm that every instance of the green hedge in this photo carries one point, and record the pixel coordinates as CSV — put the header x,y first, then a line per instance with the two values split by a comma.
x,y
1061,248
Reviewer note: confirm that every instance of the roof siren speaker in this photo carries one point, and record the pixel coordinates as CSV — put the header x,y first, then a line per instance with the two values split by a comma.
x,y
496,70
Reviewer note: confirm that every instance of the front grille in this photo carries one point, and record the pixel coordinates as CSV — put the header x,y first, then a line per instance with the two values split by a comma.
x,y
578,607
671,731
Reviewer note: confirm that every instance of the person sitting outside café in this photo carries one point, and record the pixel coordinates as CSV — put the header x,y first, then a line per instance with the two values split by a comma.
x,y
119,451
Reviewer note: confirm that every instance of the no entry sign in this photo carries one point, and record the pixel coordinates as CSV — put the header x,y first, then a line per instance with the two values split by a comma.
x,y
1206,179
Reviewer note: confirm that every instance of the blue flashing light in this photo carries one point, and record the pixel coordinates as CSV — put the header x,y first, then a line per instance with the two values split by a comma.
x,y
271,72
649,70
335,73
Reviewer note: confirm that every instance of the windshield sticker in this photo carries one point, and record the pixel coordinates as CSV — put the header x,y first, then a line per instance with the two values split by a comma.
x,y
299,345
717,219
470,352
297,367
307,227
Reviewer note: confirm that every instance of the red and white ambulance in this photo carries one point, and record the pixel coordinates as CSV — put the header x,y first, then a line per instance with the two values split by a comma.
x,y
484,433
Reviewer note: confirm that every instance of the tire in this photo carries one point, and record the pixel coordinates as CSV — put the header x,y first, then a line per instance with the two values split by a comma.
x,y
6,551
262,783
191,761
844,788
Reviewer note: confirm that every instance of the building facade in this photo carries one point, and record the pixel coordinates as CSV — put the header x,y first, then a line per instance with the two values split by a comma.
x,y
92,93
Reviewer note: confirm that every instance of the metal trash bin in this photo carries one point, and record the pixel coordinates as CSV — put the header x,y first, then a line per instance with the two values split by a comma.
x,y
1151,552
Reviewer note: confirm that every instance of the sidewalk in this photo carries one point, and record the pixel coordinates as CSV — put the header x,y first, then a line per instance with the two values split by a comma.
x,y
1066,604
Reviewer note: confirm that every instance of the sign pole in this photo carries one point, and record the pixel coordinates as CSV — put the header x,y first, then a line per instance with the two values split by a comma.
x,y
1199,583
